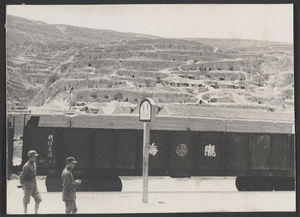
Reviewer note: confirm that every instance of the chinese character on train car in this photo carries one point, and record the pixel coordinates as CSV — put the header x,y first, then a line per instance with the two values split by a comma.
x,y
50,144
209,151
153,149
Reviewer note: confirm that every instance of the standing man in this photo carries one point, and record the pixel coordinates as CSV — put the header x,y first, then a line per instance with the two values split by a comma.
x,y
69,186
28,182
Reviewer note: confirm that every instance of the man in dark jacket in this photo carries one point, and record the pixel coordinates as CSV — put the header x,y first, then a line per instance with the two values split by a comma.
x,y
28,182
69,186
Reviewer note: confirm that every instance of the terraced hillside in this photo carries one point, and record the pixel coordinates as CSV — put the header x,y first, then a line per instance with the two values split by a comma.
x,y
59,64
35,50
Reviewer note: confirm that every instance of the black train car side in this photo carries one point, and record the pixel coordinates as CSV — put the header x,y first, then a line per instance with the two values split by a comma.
x,y
260,160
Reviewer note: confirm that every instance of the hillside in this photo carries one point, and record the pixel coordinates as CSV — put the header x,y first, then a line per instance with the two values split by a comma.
x,y
55,66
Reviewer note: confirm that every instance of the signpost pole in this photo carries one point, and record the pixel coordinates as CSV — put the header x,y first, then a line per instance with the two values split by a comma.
x,y
147,114
146,141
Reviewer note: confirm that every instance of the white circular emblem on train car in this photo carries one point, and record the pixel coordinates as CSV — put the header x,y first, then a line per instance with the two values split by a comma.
x,y
181,150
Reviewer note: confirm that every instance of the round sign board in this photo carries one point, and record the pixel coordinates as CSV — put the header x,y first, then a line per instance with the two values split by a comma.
x,y
147,110
181,150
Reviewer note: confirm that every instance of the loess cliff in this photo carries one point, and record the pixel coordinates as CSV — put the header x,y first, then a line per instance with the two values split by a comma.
x,y
49,65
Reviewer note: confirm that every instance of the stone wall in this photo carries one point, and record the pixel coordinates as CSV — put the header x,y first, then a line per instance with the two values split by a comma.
x,y
148,65
145,74
129,95
249,66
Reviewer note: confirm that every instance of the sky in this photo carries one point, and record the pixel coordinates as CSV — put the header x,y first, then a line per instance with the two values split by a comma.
x,y
260,22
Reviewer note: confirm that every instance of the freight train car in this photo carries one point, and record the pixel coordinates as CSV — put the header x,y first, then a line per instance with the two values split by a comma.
x,y
260,153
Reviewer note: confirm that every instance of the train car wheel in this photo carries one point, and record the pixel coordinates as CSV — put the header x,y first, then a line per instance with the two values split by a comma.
x,y
113,183
53,184
265,183
100,184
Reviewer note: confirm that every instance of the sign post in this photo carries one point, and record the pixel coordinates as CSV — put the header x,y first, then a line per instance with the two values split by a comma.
x,y
147,114
146,141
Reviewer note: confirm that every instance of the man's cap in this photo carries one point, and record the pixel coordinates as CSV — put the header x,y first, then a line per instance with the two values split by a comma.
x,y
71,160
32,153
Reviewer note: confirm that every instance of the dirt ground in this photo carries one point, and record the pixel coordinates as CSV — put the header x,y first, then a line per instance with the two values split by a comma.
x,y
165,195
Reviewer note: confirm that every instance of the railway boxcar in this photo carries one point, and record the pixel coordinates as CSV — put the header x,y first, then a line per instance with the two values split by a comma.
x,y
260,153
